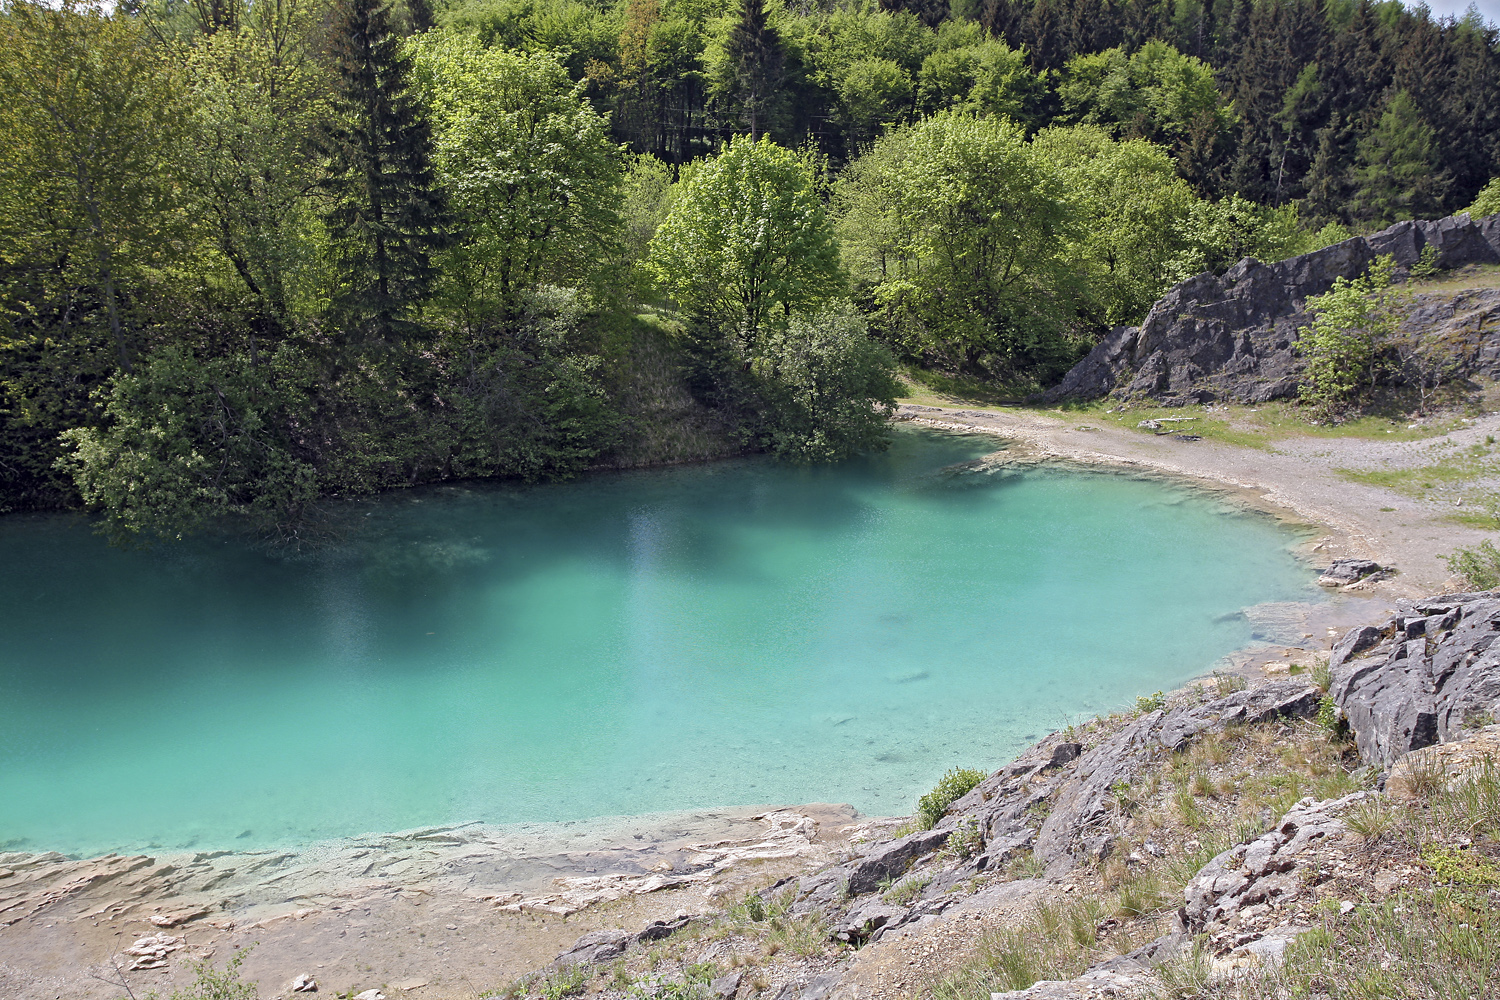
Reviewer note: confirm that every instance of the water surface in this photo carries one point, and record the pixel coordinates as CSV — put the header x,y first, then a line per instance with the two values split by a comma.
x,y
736,633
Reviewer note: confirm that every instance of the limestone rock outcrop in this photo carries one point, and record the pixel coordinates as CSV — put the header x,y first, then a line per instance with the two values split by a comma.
x,y
1429,675
1233,337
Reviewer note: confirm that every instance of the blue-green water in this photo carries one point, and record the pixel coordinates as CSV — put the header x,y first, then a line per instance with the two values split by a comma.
x,y
714,635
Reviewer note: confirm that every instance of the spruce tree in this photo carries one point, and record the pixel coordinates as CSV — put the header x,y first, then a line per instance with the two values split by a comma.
x,y
388,214
756,61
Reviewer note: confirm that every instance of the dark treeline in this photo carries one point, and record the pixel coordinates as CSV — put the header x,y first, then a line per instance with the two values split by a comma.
x,y
252,255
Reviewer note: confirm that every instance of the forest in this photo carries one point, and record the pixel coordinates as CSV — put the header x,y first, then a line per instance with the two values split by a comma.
x,y
254,255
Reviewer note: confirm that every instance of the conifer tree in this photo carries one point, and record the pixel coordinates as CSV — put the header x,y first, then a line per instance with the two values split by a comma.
x,y
756,59
388,214
1396,166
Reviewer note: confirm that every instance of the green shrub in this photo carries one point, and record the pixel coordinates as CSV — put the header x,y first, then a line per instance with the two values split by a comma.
x,y
1341,344
1427,264
953,785
1151,702
211,984
1479,566
1456,866
1330,718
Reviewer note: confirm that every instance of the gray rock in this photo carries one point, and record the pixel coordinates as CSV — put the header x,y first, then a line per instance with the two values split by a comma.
x,y
657,930
1429,675
890,861
865,919
726,986
593,948
1347,571
1263,871
822,986
1234,336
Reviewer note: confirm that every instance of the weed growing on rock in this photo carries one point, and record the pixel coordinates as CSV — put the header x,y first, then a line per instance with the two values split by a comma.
x,y
1457,866
1150,702
965,841
566,982
1228,684
906,891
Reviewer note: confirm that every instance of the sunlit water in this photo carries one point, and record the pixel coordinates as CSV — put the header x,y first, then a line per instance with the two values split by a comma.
x,y
729,634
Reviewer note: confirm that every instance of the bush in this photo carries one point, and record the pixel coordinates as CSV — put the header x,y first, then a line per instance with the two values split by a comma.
x,y
954,785
1479,567
1340,345
831,390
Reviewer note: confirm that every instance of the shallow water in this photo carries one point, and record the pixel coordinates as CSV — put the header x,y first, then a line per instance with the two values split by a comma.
x,y
728,634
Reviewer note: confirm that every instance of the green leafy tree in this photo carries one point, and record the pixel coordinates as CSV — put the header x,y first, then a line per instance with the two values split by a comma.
x,y
1154,93
831,390
956,231
748,240
387,215
1134,217
1350,322
187,439
531,175
93,125
93,215
974,72
259,102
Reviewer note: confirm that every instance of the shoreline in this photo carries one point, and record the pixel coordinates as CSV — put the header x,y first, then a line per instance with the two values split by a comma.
x,y
532,888
1295,482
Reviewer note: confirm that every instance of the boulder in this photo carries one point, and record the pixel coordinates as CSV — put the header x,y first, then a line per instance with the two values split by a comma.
x,y
864,920
1081,807
890,861
726,986
659,929
1429,675
593,948
1264,871
1346,571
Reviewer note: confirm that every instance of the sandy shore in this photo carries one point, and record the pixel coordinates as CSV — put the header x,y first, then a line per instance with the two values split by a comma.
x,y
453,912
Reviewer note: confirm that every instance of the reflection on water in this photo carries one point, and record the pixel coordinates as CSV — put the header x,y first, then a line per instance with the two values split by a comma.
x,y
718,635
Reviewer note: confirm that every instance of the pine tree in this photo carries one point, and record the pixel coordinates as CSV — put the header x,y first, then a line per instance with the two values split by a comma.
x,y
757,60
388,214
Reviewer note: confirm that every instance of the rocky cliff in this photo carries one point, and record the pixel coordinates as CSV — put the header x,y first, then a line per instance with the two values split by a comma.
x,y
1233,337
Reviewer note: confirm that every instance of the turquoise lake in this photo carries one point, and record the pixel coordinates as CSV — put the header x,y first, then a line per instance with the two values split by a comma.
x,y
728,634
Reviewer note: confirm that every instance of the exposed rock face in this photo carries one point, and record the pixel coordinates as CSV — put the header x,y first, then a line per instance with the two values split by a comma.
x,y
1082,804
1234,336
1264,871
1429,675
892,860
